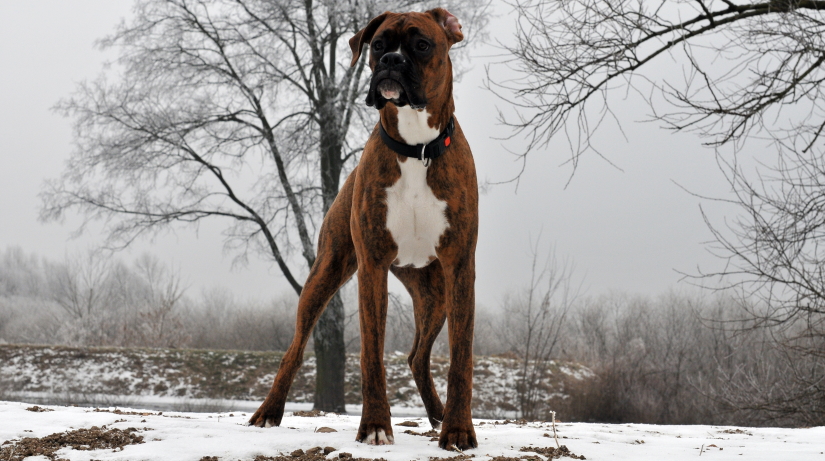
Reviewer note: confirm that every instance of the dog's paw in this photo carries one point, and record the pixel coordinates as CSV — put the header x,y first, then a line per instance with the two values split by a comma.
x,y
463,439
436,417
375,436
268,415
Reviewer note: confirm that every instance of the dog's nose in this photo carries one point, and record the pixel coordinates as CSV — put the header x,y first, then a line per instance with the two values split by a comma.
x,y
392,59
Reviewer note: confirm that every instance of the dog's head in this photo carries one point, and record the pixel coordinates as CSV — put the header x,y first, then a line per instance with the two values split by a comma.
x,y
408,56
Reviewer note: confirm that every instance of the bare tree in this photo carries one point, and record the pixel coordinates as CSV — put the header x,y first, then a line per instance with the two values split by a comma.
x,y
105,302
748,64
749,71
532,326
80,286
774,258
240,110
218,321
20,273
158,305
400,324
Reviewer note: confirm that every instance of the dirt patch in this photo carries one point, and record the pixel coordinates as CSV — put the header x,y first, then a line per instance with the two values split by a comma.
x,y
517,422
735,431
37,409
313,454
553,453
130,413
430,433
96,438
408,424
454,458
309,414
139,413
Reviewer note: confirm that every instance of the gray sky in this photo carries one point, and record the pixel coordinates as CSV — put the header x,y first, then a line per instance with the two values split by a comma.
x,y
625,230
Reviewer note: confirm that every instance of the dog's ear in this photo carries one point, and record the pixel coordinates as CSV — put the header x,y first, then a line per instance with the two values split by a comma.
x,y
449,22
356,43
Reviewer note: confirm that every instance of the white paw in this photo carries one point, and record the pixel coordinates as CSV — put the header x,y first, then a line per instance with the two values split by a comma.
x,y
379,438
269,422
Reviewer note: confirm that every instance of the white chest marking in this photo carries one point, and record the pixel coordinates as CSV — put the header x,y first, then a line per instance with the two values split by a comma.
x,y
415,217
413,126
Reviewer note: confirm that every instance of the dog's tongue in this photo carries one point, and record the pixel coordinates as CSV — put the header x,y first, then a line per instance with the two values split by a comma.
x,y
390,89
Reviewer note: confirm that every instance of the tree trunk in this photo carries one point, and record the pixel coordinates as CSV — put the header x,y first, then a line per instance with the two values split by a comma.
x,y
330,358
330,353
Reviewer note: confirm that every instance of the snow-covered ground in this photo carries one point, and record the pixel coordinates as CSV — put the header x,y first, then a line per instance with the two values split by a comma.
x,y
192,436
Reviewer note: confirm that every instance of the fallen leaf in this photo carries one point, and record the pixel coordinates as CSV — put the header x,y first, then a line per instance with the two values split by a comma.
x,y
408,424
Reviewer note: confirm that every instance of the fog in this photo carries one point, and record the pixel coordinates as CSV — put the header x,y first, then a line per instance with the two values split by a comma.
x,y
628,226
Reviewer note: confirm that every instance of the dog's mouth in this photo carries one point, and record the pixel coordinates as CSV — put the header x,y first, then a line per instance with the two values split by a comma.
x,y
393,86
390,89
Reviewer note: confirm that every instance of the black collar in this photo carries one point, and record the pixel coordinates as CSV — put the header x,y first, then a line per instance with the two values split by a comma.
x,y
429,151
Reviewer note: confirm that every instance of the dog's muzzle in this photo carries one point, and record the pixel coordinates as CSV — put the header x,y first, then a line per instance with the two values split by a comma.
x,y
395,80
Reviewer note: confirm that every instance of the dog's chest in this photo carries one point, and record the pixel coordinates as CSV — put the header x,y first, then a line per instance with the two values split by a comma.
x,y
415,216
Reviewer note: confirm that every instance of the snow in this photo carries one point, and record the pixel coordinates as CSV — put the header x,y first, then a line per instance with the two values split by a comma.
x,y
191,436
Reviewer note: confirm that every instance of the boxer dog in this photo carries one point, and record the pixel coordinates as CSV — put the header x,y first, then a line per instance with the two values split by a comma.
x,y
410,207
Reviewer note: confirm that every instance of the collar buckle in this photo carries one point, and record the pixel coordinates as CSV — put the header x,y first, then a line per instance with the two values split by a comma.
x,y
425,161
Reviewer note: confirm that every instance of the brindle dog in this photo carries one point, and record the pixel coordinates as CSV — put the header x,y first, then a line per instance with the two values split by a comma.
x,y
416,218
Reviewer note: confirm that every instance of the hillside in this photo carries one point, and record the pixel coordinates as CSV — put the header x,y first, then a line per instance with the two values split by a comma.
x,y
211,380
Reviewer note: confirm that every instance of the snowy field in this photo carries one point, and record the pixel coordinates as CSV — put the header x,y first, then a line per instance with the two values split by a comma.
x,y
194,436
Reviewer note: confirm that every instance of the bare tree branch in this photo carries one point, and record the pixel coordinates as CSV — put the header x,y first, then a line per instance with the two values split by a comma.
x,y
571,53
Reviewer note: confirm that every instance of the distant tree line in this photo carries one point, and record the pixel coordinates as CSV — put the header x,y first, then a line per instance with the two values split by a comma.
x,y
93,300
674,359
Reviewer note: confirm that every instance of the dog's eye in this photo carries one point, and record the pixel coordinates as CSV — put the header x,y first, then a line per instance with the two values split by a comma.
x,y
422,45
378,46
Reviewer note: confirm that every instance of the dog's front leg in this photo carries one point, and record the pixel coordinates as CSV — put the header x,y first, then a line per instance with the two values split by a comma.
x,y
457,428
375,428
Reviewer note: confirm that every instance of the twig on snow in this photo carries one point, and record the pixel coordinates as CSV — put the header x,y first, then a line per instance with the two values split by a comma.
x,y
553,419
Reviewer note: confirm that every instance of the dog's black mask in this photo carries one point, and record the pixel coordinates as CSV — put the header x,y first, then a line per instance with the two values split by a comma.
x,y
395,71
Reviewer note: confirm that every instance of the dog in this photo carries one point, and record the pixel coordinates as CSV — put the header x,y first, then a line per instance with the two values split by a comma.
x,y
410,207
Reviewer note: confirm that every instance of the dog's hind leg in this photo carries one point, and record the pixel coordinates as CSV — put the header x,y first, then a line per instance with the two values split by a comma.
x,y
426,287
334,265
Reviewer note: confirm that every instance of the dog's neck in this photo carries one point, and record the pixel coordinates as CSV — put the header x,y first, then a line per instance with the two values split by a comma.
x,y
420,126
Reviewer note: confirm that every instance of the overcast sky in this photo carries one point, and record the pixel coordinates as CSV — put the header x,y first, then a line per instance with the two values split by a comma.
x,y
629,229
